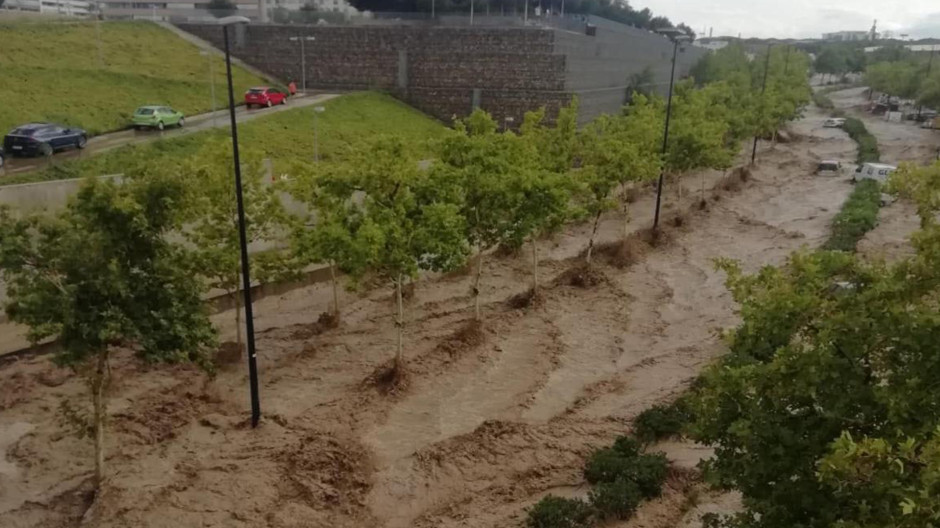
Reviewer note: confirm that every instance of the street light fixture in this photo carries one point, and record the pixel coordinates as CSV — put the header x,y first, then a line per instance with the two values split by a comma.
x,y
763,89
317,110
303,61
677,36
208,56
226,23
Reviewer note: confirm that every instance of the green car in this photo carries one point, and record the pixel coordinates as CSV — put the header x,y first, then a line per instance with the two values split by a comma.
x,y
158,117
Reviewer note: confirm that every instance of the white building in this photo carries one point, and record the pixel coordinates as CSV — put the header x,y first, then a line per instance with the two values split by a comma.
x,y
710,44
78,8
336,6
130,9
847,36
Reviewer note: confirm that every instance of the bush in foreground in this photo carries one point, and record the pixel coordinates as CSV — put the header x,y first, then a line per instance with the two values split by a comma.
x,y
623,461
616,500
661,422
559,512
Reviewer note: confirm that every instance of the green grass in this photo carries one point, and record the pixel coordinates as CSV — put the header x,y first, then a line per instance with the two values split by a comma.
x,y
867,144
859,215
283,137
51,72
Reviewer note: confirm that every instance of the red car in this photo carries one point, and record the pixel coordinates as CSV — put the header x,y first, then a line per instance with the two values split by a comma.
x,y
264,96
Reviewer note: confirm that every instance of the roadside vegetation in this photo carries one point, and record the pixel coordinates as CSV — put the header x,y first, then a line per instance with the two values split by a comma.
x,y
828,388
867,144
94,75
859,215
284,137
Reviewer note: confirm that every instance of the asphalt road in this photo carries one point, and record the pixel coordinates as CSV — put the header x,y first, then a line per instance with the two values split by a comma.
x,y
106,142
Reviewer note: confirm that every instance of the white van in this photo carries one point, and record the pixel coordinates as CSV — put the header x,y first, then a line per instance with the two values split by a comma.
x,y
873,171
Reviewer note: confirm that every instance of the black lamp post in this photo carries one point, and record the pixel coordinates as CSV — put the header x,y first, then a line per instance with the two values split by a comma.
x,y
226,23
676,36
762,90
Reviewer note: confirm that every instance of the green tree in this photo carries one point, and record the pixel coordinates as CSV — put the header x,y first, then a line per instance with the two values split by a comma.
x,y
490,169
102,276
213,226
617,151
412,223
555,142
335,231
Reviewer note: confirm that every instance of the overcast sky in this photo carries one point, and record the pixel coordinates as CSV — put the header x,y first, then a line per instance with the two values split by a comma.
x,y
800,18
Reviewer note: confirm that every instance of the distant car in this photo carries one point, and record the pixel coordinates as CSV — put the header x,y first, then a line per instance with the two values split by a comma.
x,y
158,117
43,139
873,171
829,167
834,122
264,96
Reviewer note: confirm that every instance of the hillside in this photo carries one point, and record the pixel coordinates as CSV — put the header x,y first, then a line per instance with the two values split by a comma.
x,y
56,71
283,136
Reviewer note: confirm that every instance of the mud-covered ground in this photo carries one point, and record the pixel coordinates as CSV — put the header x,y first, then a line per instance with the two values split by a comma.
x,y
490,420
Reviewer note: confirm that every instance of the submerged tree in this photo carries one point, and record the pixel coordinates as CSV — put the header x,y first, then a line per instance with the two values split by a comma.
x,y
101,276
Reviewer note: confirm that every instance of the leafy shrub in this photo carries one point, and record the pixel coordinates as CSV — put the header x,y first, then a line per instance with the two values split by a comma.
x,y
559,512
624,461
661,421
867,144
822,100
858,215
616,500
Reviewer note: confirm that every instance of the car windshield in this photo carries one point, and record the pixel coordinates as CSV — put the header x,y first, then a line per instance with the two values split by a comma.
x,y
25,131
256,91
145,111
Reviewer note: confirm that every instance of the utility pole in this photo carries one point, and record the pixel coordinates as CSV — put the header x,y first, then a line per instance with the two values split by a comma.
x,y
762,90
303,61
471,11
933,47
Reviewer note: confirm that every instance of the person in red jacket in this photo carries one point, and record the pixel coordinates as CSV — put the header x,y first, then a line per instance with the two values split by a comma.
x,y
292,87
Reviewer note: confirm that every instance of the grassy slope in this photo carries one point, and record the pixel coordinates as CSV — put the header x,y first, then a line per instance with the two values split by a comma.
x,y
51,72
285,136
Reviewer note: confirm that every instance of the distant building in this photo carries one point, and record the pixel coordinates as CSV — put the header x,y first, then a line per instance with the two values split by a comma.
x,y
76,8
847,36
913,47
711,44
196,10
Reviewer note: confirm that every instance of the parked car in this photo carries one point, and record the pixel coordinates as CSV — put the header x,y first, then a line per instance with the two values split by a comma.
x,y
158,117
829,167
834,122
873,171
264,96
43,139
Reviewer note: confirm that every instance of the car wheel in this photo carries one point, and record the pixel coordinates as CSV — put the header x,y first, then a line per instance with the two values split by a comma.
x,y
269,103
45,149
160,125
82,142
182,122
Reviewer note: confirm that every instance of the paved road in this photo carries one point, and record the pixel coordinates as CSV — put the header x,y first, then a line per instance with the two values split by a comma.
x,y
106,142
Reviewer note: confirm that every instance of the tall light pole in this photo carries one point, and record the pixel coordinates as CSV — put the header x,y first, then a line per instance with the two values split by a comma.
x,y
762,90
676,36
317,110
208,56
303,61
933,47
226,23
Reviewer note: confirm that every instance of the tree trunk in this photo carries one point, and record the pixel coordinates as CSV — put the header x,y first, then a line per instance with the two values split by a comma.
x,y
476,285
400,323
335,290
678,185
238,320
535,265
590,250
98,383
703,186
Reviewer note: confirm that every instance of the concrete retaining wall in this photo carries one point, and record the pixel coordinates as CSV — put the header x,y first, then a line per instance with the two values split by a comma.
x,y
444,71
